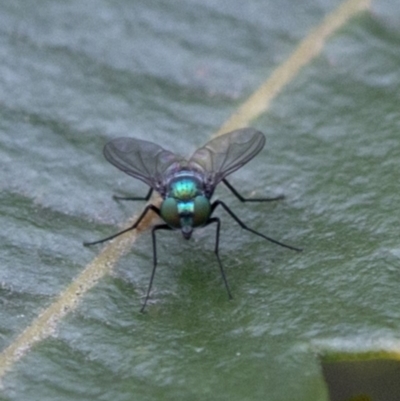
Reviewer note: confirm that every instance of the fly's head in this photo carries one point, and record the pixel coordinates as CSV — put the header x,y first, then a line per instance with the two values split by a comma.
x,y
185,207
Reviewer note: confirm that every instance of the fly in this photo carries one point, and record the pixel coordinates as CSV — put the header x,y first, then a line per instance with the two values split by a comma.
x,y
186,186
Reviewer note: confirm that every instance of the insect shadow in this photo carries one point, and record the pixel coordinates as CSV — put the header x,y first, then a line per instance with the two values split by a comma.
x,y
186,186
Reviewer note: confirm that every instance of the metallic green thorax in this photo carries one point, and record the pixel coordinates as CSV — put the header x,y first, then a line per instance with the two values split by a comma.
x,y
185,206
185,188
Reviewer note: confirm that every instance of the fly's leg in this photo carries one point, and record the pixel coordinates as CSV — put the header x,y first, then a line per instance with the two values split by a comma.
x,y
132,227
154,229
216,251
244,226
153,235
130,198
242,199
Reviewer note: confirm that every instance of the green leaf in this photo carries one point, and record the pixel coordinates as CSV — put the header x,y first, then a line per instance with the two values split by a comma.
x,y
74,75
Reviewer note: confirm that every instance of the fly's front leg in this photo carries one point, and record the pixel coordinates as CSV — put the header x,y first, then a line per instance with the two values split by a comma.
x,y
153,236
216,251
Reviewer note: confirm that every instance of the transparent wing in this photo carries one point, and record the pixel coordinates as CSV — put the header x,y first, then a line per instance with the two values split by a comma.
x,y
143,160
227,153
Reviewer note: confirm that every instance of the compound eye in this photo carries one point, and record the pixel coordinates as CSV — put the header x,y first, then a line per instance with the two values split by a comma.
x,y
202,210
169,212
